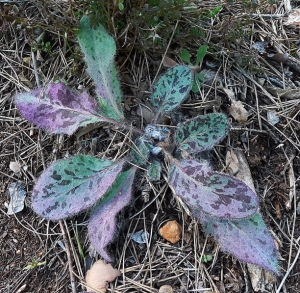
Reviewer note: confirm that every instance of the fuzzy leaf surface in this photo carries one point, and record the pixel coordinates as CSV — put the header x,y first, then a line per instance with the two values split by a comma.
x,y
69,186
154,170
171,89
140,151
99,49
202,132
247,239
102,224
58,109
214,193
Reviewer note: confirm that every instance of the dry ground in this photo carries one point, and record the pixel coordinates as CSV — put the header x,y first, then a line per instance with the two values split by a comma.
x,y
261,83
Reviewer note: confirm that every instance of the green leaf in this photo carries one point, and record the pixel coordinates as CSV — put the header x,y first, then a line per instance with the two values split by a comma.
x,y
201,52
199,77
99,49
185,56
171,89
121,5
206,258
201,133
80,249
154,170
140,151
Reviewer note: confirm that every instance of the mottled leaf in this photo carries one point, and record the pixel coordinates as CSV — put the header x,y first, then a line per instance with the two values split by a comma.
x,y
202,132
154,170
99,49
214,193
140,151
58,109
102,224
247,239
171,89
69,186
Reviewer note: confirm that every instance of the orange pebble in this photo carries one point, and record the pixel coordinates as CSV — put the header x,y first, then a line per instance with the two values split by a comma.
x,y
171,231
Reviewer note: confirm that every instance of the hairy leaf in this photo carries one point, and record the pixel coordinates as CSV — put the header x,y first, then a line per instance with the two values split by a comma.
x,y
140,151
154,170
99,49
202,132
171,89
67,187
57,108
214,193
247,239
102,224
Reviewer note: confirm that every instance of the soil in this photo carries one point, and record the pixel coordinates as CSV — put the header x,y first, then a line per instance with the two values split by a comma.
x,y
263,84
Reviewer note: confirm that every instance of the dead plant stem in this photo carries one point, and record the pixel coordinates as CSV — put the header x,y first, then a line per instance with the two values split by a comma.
x,y
288,271
70,263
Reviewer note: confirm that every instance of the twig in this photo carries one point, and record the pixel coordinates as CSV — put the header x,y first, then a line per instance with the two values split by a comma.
x,y
35,70
267,132
257,84
288,271
70,263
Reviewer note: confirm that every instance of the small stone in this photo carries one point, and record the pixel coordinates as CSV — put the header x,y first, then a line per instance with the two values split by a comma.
x,y
15,167
165,289
171,231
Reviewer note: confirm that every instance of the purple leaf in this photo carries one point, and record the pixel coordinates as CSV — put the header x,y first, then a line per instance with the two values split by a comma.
x,y
214,193
247,239
67,187
102,223
57,108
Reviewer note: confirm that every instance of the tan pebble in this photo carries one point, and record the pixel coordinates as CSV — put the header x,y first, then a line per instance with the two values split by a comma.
x,y
171,231
165,289
99,275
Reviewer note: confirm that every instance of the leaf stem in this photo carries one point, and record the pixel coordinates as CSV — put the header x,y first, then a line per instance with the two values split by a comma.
x,y
123,125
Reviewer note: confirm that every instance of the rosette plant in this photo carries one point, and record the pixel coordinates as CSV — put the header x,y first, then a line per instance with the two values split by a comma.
x,y
226,206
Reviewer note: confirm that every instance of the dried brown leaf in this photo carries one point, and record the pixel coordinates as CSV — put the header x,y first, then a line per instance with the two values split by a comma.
x,y
232,163
168,62
293,18
238,112
289,94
